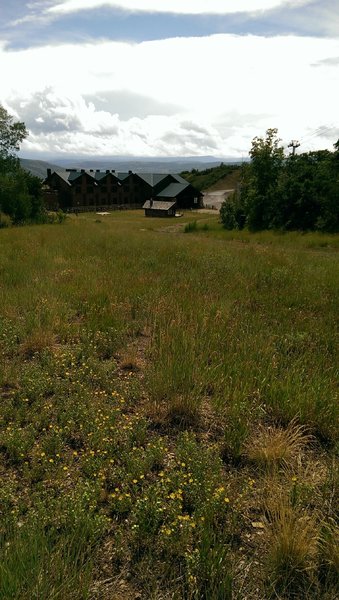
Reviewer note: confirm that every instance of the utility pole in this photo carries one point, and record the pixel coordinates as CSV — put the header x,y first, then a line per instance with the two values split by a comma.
x,y
294,144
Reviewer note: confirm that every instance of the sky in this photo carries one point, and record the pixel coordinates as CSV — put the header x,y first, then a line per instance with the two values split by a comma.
x,y
156,78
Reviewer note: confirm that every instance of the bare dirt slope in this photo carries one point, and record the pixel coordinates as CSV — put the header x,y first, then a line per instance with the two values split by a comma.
x,y
215,195
214,199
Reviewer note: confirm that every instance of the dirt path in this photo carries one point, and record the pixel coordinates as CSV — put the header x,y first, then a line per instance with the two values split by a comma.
x,y
215,199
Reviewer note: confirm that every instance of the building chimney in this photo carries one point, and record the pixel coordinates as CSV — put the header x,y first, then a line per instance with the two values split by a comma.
x,y
49,172
82,170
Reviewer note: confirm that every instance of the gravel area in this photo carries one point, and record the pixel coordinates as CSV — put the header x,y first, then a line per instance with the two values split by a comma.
x,y
215,199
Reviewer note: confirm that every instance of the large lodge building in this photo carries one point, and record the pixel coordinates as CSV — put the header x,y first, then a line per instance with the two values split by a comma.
x,y
93,189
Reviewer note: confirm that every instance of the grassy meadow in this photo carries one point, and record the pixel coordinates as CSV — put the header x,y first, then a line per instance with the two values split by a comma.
x,y
169,411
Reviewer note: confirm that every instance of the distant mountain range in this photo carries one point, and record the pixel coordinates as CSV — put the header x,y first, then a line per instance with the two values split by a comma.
x,y
38,167
122,164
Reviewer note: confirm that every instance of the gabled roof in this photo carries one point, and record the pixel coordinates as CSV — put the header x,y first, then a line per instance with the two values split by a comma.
x,y
179,178
122,176
173,190
158,205
153,178
64,175
72,175
100,175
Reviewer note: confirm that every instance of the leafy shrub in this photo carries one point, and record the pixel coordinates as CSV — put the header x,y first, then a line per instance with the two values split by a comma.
x,y
227,214
232,213
53,217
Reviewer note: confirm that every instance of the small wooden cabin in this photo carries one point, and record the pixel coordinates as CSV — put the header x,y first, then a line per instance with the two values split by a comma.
x,y
157,208
184,194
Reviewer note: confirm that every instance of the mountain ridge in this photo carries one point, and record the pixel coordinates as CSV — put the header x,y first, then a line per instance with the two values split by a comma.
x,y
135,164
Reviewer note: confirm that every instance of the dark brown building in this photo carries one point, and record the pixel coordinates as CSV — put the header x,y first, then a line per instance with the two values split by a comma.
x,y
81,189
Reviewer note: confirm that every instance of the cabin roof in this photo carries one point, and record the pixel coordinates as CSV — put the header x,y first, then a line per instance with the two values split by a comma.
x,y
159,205
173,190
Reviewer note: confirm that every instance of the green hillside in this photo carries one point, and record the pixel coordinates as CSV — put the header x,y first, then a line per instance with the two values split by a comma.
x,y
38,167
214,178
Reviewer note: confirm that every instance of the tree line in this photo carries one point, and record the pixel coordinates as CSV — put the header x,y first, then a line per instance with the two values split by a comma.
x,y
20,192
298,192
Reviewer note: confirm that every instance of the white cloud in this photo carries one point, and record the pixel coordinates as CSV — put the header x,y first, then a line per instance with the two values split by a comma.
x,y
227,89
192,7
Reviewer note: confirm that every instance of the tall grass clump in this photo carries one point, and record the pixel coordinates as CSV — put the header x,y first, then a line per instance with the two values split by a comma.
x,y
329,555
173,377
292,550
272,446
191,226
45,563
5,221
209,569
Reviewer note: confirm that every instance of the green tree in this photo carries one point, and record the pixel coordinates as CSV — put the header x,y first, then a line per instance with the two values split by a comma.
x,y
300,192
308,192
14,198
260,184
12,133
20,192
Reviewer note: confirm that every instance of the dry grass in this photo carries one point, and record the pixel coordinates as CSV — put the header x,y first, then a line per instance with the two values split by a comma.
x,y
329,553
36,342
274,446
293,545
182,410
129,362
179,411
